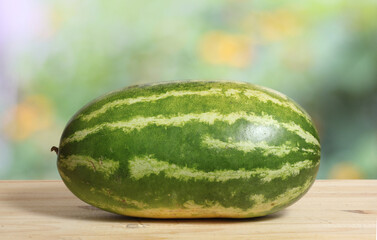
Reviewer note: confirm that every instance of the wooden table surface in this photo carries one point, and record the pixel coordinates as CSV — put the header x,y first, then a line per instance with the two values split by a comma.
x,y
332,209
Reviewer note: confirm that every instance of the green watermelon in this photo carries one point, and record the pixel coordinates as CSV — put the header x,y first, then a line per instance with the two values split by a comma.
x,y
193,149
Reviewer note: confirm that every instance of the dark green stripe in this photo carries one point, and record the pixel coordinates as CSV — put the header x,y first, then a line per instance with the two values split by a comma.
x,y
183,146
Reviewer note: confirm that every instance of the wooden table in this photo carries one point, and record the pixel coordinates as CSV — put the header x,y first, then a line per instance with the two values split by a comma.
x,y
332,209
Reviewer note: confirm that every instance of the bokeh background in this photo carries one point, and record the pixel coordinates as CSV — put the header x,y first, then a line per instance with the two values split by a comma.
x,y
55,56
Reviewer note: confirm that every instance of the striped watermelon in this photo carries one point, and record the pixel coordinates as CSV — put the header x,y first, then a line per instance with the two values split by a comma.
x,y
196,149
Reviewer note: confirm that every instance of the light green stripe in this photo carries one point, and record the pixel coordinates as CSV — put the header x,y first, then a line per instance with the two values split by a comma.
x,y
309,138
264,204
318,151
139,123
248,146
235,93
272,91
130,101
64,177
110,194
106,166
264,97
146,165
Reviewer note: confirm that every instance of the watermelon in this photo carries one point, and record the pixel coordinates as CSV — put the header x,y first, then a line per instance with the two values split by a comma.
x,y
190,149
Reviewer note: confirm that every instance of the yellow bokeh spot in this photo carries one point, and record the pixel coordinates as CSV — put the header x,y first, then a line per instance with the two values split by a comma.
x,y
346,171
227,49
29,116
278,24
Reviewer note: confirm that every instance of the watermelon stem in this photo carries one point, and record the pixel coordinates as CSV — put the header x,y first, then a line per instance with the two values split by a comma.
x,y
55,149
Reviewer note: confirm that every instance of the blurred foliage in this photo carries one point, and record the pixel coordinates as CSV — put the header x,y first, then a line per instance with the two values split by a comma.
x,y
58,55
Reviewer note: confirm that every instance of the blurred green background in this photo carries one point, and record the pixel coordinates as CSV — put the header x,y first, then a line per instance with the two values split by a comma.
x,y
55,56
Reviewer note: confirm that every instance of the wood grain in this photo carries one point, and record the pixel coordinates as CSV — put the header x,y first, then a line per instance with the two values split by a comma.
x,y
332,209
